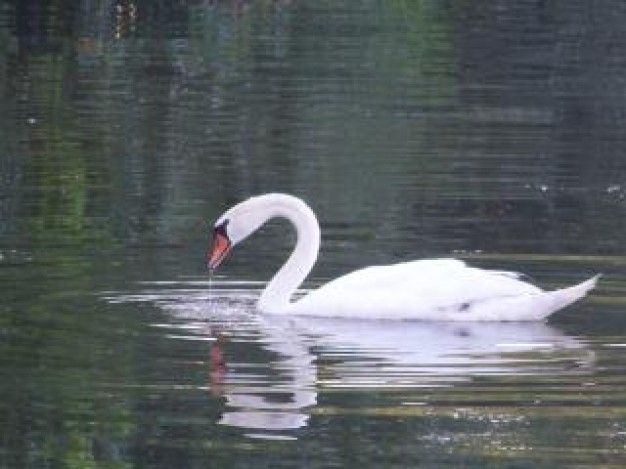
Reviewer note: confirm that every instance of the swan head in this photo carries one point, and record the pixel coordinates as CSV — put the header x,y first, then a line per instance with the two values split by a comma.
x,y
235,225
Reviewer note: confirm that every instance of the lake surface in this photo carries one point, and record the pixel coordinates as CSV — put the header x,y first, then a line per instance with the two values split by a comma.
x,y
487,131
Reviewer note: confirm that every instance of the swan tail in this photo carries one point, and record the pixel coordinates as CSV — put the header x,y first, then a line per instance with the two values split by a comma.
x,y
555,300
532,307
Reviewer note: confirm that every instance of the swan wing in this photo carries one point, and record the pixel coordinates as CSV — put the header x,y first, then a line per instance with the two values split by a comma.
x,y
437,289
394,276
436,281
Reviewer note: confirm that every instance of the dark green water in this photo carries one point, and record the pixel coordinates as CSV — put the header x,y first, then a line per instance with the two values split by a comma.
x,y
483,130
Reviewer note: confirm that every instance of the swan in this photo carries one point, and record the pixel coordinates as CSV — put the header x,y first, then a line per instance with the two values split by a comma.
x,y
428,289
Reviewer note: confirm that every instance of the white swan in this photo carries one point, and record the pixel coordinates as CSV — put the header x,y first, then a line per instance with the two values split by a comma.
x,y
431,289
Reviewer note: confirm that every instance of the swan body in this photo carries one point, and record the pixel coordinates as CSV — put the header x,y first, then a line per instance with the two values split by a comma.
x,y
429,289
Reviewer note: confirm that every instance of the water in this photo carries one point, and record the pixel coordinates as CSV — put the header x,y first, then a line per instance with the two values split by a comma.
x,y
486,131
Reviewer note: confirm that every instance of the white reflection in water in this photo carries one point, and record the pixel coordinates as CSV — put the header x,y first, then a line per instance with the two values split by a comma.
x,y
312,355
279,404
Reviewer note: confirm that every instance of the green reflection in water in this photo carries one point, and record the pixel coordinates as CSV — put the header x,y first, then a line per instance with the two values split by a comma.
x,y
56,352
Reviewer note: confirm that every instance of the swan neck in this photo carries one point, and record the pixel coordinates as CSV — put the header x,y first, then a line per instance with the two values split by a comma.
x,y
276,298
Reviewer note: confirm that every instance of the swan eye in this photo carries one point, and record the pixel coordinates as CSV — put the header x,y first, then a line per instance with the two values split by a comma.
x,y
221,228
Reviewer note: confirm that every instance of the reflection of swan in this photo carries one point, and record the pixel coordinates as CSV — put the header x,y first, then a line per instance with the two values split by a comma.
x,y
318,354
436,289
287,361
436,349
281,406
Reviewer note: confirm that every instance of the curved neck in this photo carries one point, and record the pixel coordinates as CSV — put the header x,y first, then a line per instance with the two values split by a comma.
x,y
277,294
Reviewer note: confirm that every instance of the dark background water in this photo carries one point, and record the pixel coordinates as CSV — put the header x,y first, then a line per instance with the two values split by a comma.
x,y
492,131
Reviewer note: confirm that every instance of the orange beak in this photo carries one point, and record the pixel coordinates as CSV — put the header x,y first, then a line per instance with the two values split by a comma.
x,y
221,247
